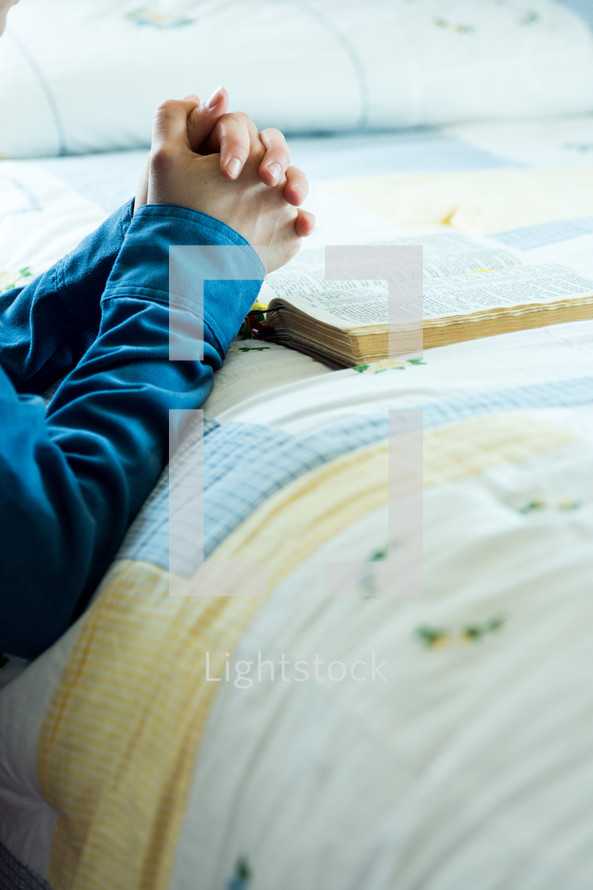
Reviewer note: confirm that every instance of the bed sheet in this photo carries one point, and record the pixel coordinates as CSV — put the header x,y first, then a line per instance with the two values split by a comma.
x,y
126,763
386,64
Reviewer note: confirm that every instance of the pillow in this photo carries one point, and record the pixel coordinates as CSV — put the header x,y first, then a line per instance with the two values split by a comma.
x,y
81,77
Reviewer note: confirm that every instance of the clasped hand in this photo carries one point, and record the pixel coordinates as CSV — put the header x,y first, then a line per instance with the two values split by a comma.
x,y
218,163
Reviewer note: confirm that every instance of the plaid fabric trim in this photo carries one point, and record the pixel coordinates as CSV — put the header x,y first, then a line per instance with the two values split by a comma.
x,y
244,465
14,875
561,394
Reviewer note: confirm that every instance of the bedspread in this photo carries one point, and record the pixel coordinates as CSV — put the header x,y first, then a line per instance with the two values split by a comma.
x,y
282,725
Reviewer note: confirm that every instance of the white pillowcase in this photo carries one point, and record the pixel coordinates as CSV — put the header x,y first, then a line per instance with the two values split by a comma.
x,y
82,76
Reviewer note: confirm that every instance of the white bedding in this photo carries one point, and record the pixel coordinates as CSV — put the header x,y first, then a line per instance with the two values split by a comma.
x,y
301,65
470,766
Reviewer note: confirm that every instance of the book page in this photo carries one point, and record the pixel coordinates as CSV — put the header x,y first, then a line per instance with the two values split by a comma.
x,y
444,253
361,302
447,254
338,303
519,286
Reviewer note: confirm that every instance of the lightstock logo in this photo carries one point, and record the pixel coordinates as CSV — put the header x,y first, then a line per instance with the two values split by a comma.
x,y
396,306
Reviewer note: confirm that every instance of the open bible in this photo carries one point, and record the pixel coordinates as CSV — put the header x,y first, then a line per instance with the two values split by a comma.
x,y
472,287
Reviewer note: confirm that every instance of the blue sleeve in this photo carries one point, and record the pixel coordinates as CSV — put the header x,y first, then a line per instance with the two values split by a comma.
x,y
73,478
46,326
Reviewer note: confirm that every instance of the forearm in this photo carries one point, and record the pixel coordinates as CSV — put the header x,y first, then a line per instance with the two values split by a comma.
x,y
48,325
74,479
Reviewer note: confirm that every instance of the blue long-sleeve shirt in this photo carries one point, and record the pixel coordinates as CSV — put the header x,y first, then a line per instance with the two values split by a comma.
x,y
73,476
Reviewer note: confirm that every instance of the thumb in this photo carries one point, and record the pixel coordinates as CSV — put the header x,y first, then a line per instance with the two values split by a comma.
x,y
170,124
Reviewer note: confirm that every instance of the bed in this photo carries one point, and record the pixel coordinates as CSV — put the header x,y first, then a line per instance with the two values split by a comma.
x,y
304,716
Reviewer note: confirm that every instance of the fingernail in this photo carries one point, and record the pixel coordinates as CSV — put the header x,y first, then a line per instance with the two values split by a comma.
x,y
234,168
274,170
215,97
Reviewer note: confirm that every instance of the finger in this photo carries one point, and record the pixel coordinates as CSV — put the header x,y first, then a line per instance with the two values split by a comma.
x,y
277,157
169,128
203,119
192,97
236,134
304,223
297,186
